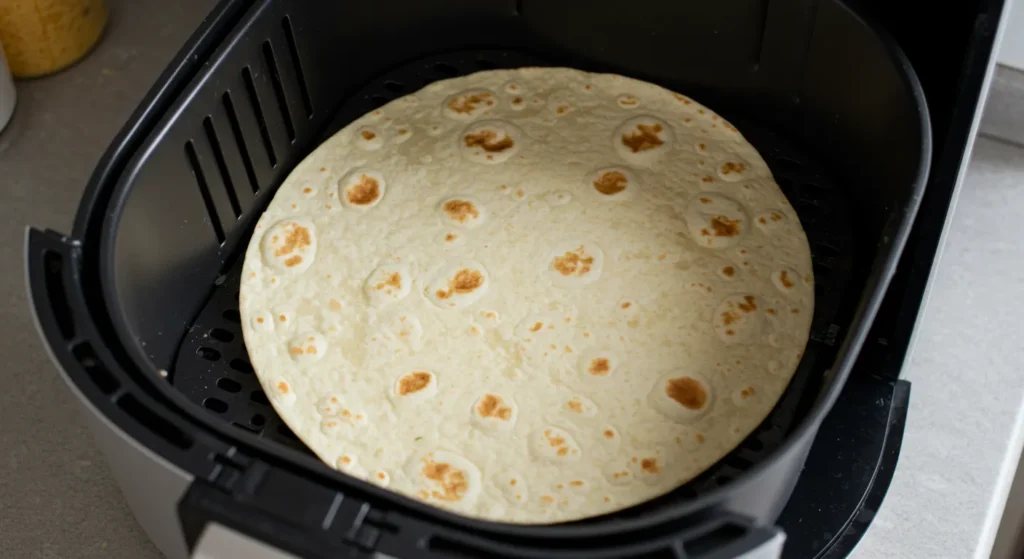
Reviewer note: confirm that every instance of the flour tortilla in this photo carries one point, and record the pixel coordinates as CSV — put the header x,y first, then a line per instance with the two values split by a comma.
x,y
529,296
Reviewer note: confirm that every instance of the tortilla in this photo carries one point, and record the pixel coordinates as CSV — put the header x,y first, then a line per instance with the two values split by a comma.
x,y
529,296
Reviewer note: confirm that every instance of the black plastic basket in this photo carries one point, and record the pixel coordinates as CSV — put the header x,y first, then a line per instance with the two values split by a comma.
x,y
139,306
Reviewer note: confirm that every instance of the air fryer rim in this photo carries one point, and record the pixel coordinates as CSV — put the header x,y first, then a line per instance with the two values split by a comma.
x,y
142,366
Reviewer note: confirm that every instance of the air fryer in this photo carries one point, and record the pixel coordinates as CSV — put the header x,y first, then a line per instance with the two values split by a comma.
x,y
858,119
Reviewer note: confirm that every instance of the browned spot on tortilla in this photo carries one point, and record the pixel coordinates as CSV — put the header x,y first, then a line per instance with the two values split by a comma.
x,y
575,406
394,280
573,262
650,465
775,216
452,481
576,483
283,318
707,178
645,137
488,140
293,261
563,451
748,305
450,237
611,182
729,271
364,192
725,227
599,367
687,392
283,387
367,135
730,332
461,210
465,281
547,499
492,405
705,200
609,434
561,110
770,310
297,237
512,482
413,382
626,305
536,327
468,103
784,279
747,392
730,167
762,220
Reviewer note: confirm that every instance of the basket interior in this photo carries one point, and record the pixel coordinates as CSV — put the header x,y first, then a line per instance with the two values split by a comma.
x,y
812,89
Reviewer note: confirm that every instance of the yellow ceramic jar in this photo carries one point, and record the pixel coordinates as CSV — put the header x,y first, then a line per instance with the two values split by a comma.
x,y
43,36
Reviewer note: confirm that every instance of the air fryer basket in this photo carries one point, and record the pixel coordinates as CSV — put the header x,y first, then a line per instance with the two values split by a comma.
x,y
141,302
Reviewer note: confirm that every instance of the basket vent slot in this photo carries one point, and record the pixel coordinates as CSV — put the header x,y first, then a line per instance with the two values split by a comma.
x,y
275,79
99,374
215,405
53,265
208,353
257,109
155,423
242,366
204,190
228,385
259,397
243,150
222,166
221,335
300,76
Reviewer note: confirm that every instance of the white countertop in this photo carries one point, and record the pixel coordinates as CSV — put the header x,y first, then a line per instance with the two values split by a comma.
x,y
965,424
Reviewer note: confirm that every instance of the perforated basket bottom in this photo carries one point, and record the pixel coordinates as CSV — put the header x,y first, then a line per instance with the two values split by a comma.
x,y
213,370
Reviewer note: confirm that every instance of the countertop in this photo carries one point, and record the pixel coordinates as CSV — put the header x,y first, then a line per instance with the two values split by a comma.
x,y
963,435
